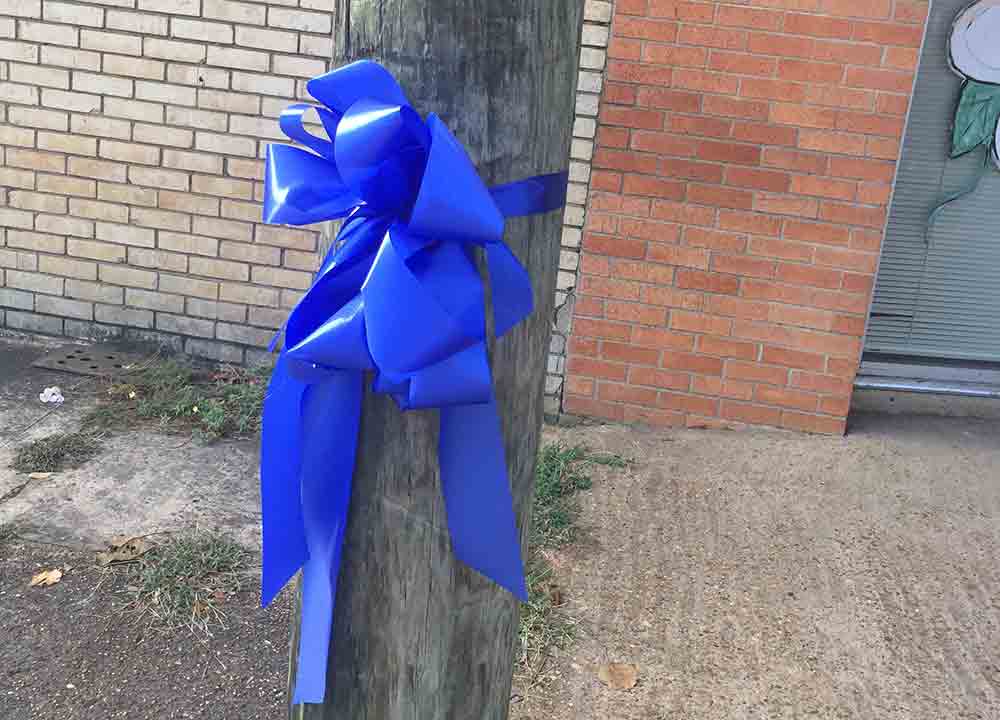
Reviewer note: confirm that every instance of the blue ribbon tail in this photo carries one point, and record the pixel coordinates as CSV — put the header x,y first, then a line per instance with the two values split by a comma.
x,y
284,541
540,194
331,410
477,494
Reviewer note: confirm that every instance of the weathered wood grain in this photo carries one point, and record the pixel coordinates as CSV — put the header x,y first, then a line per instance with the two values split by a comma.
x,y
417,635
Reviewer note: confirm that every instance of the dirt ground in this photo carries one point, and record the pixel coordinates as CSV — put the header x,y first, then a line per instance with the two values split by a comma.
x,y
748,575
74,651
763,575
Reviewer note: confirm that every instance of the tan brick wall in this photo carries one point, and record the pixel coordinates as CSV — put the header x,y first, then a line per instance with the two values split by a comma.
x,y
131,138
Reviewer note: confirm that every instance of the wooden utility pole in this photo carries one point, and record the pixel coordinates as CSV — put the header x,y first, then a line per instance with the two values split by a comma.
x,y
418,636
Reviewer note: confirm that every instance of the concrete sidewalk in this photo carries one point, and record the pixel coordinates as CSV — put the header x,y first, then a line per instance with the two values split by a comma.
x,y
763,575
142,482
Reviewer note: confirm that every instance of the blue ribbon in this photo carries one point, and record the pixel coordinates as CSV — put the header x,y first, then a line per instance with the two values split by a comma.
x,y
401,297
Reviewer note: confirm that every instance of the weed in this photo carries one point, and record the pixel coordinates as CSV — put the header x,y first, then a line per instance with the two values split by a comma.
x,y
56,452
7,533
542,627
225,402
561,472
183,581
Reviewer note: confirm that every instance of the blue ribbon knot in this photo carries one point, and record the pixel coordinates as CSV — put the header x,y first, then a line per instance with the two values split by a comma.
x,y
400,296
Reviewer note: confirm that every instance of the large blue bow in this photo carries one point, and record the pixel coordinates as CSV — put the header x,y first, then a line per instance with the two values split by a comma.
x,y
400,296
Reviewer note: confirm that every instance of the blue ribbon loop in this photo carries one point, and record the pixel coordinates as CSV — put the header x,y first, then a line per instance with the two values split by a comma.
x,y
399,296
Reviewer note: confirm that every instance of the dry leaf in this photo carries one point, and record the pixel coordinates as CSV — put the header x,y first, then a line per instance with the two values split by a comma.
x,y
556,596
46,577
618,676
123,549
39,475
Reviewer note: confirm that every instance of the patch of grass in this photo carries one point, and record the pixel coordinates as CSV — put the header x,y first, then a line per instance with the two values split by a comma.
x,y
56,452
211,403
186,579
561,472
7,533
543,627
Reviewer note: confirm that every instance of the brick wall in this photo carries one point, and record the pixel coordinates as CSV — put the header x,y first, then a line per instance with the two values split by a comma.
x,y
593,58
744,162
131,138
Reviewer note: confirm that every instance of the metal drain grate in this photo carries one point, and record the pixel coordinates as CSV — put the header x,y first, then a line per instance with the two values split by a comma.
x,y
99,360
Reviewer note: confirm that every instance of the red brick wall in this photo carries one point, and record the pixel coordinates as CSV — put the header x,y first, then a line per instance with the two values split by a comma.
x,y
744,163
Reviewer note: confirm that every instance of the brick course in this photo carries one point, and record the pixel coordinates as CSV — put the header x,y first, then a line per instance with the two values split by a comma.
x,y
131,138
740,179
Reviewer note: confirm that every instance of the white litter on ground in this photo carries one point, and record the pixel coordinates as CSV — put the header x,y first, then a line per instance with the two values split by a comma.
x,y
52,395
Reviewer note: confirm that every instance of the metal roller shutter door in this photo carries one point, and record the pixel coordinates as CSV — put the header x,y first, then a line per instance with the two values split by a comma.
x,y
938,299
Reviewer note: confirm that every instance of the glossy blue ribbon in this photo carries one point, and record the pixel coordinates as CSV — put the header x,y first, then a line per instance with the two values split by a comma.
x,y
398,296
